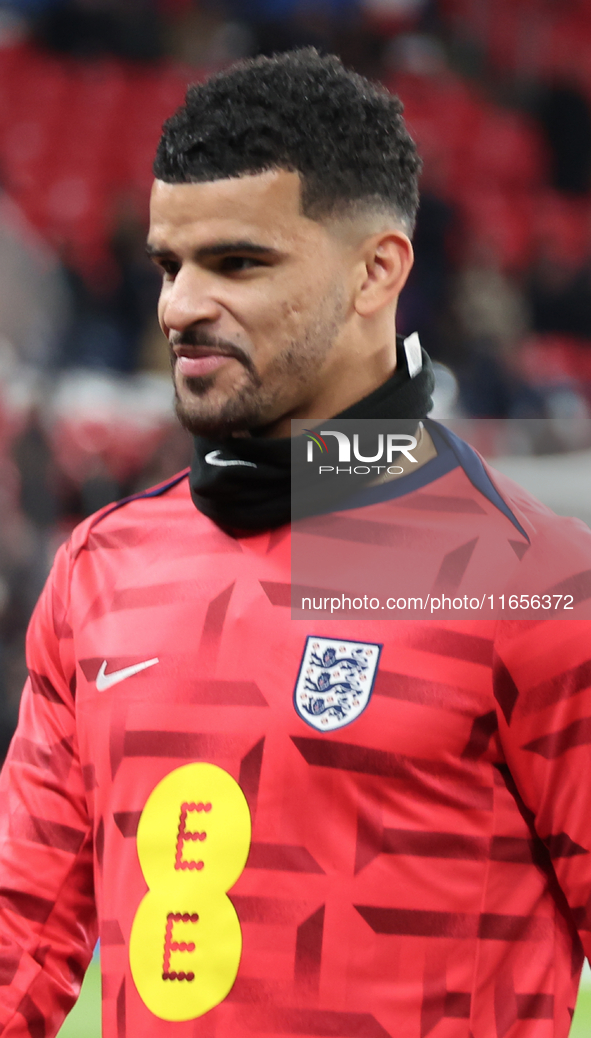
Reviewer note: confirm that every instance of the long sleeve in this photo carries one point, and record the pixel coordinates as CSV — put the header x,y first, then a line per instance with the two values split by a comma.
x,y
542,680
47,913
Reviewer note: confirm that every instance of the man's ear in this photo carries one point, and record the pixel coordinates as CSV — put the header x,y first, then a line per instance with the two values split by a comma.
x,y
385,263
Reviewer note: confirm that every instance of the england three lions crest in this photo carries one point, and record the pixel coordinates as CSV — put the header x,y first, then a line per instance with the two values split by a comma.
x,y
335,681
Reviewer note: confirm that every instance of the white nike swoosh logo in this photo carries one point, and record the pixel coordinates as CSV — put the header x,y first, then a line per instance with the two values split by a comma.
x,y
213,458
105,681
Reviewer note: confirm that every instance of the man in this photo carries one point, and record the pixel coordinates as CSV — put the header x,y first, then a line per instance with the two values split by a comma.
x,y
341,826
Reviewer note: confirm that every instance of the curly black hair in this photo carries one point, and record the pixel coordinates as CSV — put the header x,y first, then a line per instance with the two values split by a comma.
x,y
303,112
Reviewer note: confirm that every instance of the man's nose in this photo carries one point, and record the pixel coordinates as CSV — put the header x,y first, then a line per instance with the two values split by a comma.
x,y
188,299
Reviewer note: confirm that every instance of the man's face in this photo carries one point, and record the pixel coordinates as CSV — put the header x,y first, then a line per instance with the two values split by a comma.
x,y
253,301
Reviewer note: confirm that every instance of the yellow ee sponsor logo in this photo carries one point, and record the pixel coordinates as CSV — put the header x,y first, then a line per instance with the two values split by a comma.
x,y
193,840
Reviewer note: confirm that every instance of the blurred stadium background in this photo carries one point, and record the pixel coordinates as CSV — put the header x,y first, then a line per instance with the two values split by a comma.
x,y
498,96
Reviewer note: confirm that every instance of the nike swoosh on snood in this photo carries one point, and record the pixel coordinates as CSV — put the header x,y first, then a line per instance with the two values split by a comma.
x,y
213,459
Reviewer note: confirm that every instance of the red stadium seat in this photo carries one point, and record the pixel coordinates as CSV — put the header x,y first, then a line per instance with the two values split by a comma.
x,y
503,151
561,226
500,222
553,359
441,114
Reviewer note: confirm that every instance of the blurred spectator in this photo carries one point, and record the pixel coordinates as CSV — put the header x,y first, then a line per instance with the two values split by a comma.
x,y
489,304
38,474
492,319
30,6
280,25
559,294
425,296
33,294
113,303
417,54
87,28
204,37
565,117
17,595
391,16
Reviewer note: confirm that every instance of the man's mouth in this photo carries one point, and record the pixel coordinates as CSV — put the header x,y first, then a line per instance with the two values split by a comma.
x,y
196,362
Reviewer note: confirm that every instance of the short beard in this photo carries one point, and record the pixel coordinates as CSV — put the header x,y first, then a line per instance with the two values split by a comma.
x,y
239,414
254,405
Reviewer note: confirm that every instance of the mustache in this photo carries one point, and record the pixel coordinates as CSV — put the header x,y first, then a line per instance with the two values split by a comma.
x,y
198,337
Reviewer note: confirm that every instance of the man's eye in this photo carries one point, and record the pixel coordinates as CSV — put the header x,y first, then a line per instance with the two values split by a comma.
x,y
169,268
232,264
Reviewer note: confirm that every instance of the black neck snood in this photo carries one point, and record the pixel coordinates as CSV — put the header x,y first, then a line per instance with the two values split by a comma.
x,y
244,483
